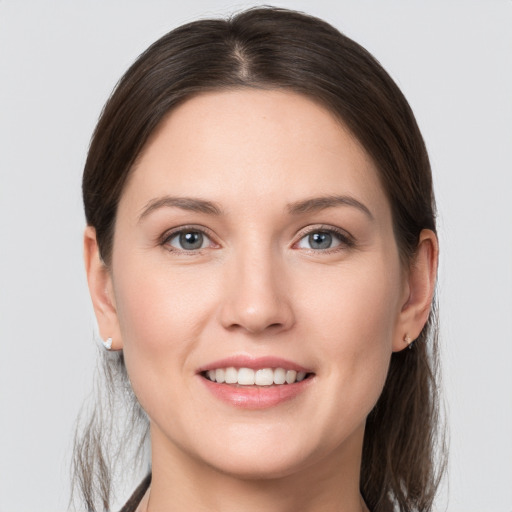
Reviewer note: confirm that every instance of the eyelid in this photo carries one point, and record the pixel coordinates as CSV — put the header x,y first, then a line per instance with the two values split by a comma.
x,y
345,238
171,233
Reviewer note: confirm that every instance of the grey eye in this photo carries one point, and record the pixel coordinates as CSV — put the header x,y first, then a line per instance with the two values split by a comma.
x,y
188,240
319,240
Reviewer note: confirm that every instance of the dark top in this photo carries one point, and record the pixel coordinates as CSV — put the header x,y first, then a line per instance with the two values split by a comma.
x,y
132,504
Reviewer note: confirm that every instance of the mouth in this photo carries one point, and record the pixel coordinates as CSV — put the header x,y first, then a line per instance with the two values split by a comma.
x,y
255,383
255,377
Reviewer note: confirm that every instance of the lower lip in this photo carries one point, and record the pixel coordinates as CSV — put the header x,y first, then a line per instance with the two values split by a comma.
x,y
256,397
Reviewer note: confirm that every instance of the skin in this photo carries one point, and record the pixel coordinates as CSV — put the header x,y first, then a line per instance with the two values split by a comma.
x,y
257,287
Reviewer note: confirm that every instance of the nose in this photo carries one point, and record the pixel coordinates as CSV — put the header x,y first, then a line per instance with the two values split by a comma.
x,y
256,296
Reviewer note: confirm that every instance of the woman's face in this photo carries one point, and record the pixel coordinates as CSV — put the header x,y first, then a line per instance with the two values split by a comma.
x,y
254,234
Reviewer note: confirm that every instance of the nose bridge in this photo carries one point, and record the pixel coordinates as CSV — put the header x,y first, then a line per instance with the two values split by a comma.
x,y
255,297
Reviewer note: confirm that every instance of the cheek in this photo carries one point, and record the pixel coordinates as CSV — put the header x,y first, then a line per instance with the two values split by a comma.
x,y
162,313
358,303
353,319
158,304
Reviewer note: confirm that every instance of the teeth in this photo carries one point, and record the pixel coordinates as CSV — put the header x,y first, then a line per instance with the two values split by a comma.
x,y
220,375
249,377
231,375
290,376
246,377
264,377
300,376
279,376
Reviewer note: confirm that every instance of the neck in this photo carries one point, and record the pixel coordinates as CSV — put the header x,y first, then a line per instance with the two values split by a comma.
x,y
181,482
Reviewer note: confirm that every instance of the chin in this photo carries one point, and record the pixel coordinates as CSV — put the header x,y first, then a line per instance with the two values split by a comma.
x,y
259,468
266,459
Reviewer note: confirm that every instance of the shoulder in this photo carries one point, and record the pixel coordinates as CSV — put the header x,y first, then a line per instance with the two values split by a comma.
x,y
135,499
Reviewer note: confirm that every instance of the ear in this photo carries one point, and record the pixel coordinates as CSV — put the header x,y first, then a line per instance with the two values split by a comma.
x,y
101,289
419,290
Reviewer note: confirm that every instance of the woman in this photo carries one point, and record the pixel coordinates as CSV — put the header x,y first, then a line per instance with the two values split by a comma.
x,y
260,252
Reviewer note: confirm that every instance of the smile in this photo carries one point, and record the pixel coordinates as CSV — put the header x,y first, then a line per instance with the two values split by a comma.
x,y
256,383
255,377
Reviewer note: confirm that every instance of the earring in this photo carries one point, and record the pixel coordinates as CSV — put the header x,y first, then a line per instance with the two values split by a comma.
x,y
108,344
408,340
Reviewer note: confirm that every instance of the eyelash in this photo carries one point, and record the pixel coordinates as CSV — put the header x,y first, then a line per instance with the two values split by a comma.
x,y
170,235
346,241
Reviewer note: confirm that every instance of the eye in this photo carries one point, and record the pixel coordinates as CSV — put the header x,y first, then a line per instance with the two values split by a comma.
x,y
187,240
324,239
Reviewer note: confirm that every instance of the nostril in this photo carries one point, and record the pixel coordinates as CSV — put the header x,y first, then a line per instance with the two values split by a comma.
x,y
257,329
255,313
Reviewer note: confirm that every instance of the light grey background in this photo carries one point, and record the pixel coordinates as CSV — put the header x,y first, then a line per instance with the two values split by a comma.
x,y
58,63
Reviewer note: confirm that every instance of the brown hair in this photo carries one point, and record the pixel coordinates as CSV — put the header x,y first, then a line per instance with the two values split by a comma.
x,y
275,48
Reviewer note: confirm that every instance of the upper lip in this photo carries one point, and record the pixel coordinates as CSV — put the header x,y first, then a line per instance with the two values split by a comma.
x,y
255,363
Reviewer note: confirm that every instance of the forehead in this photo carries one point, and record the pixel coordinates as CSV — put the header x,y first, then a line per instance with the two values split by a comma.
x,y
257,144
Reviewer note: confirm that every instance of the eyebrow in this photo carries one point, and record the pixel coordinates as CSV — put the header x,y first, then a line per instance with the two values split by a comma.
x,y
316,204
185,203
310,205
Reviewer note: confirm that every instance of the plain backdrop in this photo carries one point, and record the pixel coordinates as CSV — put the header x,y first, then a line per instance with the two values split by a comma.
x,y
58,63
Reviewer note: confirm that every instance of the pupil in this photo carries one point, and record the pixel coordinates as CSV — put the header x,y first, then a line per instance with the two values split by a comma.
x,y
191,240
320,240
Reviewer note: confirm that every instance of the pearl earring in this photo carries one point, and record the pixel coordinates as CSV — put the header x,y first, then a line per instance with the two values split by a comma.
x,y
408,340
108,344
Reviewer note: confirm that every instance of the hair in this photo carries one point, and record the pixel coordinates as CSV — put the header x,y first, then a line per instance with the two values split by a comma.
x,y
272,48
